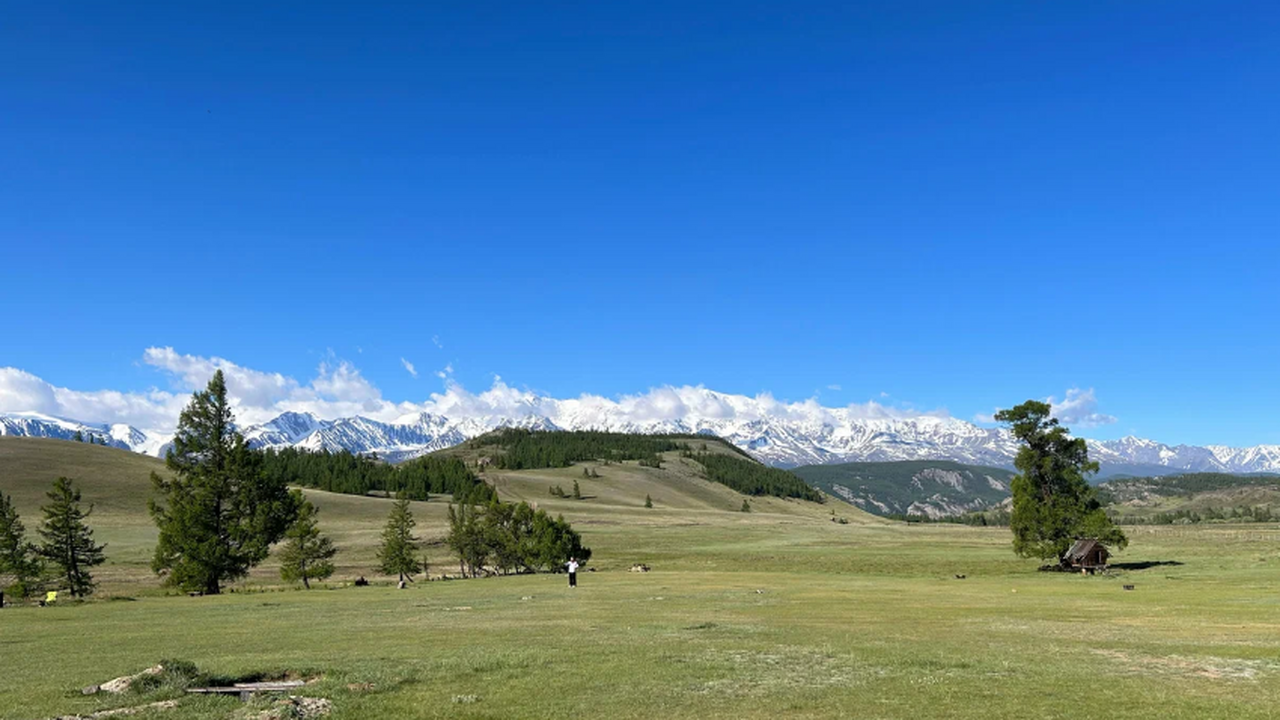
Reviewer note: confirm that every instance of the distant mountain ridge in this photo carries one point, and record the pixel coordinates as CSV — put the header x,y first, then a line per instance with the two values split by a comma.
x,y
790,437
119,435
931,488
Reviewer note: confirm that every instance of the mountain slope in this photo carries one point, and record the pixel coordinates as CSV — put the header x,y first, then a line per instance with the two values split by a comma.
x,y
931,488
45,426
611,514
1204,493
798,435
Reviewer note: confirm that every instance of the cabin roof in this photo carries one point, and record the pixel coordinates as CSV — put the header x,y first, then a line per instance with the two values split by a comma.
x,y
1082,548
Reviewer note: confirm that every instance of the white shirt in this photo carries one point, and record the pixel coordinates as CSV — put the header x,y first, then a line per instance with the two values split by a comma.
x,y
573,566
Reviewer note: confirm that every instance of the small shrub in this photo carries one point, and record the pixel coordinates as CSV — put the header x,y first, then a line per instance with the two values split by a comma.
x,y
176,675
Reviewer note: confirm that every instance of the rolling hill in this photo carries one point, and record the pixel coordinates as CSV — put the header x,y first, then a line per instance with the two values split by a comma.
x,y
932,488
609,515
1201,494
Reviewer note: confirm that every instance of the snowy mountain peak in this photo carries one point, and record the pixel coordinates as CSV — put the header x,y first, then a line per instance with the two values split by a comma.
x,y
812,436
121,436
286,429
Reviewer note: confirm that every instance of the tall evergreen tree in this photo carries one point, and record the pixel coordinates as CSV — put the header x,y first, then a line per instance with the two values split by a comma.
x,y
307,555
399,552
19,561
219,514
648,501
78,437
1053,503
67,542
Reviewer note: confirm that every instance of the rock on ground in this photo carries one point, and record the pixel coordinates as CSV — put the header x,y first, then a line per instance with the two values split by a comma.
x,y
121,684
294,707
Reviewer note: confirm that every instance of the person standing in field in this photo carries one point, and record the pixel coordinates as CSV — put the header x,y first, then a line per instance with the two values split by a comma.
x,y
573,572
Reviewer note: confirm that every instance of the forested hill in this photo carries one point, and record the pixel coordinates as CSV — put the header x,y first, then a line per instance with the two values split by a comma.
x,y
520,449
1122,490
930,488
344,472
1193,498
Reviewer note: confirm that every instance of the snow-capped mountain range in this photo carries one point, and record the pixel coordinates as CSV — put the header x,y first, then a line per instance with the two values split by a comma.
x,y
118,435
824,436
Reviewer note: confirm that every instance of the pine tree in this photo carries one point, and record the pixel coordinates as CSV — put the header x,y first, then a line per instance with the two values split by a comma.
x,y
466,538
19,560
78,437
746,506
307,555
399,552
67,541
1053,503
577,493
219,514
648,501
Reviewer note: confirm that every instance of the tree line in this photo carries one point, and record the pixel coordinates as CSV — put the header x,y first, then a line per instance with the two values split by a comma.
x,y
1185,485
351,474
1241,514
985,518
522,449
752,478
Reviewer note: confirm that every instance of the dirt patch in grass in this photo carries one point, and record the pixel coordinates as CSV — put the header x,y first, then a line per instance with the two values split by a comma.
x,y
757,673
1213,668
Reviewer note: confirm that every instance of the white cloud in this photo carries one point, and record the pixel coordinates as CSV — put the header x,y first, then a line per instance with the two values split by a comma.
x,y
340,390
246,387
436,340
833,387
1080,409
21,391
409,367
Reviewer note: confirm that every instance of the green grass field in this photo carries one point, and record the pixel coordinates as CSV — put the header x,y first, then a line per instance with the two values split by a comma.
x,y
775,613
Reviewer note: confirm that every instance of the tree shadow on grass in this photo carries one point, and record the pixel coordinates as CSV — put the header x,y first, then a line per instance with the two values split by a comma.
x,y
1145,565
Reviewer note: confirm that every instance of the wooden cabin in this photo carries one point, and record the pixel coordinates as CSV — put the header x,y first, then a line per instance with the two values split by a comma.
x,y
1086,555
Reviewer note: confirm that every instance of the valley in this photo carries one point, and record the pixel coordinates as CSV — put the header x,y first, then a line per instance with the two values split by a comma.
x,y
775,612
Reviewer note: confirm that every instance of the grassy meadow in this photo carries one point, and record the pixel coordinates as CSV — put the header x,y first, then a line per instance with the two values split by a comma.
x,y
775,613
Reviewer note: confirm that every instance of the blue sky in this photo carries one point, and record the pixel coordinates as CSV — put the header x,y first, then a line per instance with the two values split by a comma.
x,y
933,205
